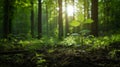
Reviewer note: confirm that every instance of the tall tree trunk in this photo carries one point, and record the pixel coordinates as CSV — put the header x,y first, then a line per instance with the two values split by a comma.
x,y
8,9
73,9
66,18
60,20
86,12
106,14
47,29
50,22
75,28
88,9
39,19
32,18
94,25
85,9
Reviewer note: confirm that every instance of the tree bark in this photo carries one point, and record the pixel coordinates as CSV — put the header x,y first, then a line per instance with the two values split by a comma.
x,y
60,20
32,18
47,29
39,19
94,25
66,18
8,9
73,9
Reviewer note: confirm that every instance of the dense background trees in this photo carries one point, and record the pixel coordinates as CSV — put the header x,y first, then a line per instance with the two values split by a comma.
x,y
108,18
52,17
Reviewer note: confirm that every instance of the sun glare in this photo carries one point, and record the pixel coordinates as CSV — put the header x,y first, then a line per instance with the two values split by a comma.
x,y
70,10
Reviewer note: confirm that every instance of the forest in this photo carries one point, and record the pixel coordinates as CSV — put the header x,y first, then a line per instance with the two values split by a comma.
x,y
59,33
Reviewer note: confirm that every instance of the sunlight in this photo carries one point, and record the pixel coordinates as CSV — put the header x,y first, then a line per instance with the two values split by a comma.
x,y
70,10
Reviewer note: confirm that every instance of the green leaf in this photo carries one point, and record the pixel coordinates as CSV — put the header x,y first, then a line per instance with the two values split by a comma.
x,y
74,23
88,21
81,18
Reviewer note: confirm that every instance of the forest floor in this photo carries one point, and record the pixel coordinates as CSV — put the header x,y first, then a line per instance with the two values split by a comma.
x,y
63,57
60,56
71,57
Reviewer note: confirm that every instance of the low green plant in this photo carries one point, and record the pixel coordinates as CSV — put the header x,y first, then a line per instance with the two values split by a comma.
x,y
90,40
114,54
45,42
68,41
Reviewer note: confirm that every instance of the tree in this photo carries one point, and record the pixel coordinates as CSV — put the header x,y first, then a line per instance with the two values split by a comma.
x,y
47,19
66,19
94,25
8,10
39,19
32,18
60,20
73,9
85,9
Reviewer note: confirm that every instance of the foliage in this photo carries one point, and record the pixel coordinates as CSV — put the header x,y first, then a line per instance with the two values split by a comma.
x,y
34,44
88,21
92,47
90,41
68,41
74,23
6,45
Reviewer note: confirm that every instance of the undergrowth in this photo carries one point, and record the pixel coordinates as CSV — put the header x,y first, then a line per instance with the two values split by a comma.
x,y
101,51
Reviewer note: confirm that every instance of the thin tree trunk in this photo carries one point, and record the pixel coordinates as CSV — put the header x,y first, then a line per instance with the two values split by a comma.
x,y
47,20
85,9
50,24
88,9
32,18
8,15
94,25
66,18
60,20
39,19
75,28
106,13
73,9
